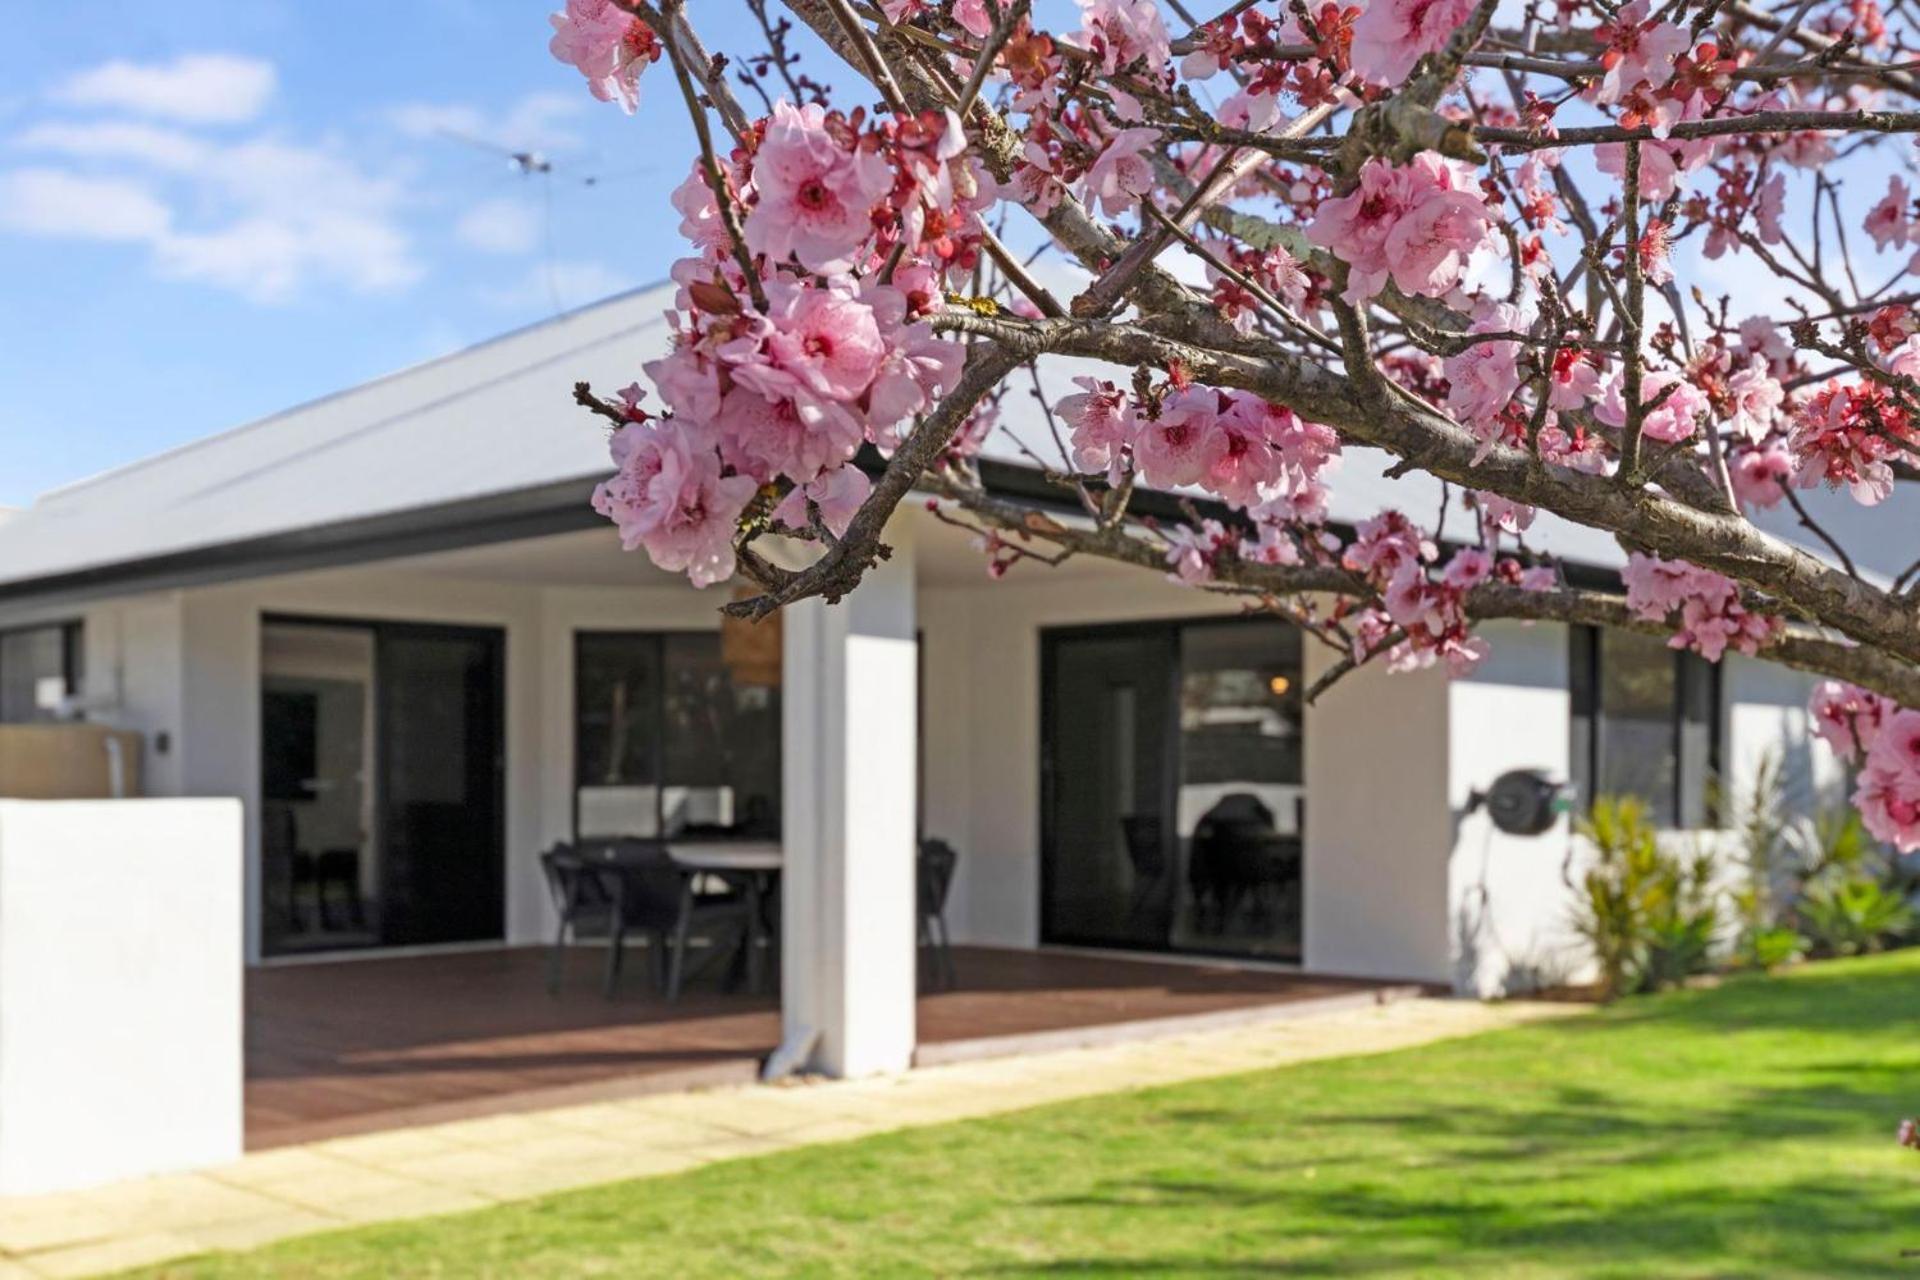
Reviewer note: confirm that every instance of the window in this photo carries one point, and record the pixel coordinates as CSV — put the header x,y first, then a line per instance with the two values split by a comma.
x,y
1646,722
37,665
670,739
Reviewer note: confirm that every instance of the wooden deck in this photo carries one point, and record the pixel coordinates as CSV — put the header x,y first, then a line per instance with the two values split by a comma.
x,y
360,1045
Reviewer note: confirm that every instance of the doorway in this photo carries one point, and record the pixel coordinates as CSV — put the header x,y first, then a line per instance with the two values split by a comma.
x,y
382,771
1171,787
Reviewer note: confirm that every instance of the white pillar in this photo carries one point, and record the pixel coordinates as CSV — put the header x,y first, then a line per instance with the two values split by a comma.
x,y
850,674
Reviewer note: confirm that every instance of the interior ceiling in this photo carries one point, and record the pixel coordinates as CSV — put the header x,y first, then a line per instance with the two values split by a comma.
x,y
945,557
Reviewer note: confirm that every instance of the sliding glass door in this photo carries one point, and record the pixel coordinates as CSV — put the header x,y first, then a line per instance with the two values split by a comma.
x,y
381,774
1172,805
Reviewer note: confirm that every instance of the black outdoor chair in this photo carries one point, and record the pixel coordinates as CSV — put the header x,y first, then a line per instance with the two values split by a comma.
x,y
624,887
933,874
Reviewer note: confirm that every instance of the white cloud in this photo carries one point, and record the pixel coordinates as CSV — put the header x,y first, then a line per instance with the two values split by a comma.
x,y
563,284
270,217
199,88
533,121
153,145
52,202
498,226
269,261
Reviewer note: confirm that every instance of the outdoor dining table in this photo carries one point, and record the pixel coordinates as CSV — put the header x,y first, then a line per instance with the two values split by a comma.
x,y
751,865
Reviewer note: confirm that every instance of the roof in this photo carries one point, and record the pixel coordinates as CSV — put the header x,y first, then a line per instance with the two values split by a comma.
x,y
484,445
493,419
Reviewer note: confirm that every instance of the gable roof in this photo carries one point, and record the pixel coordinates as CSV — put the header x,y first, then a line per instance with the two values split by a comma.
x,y
481,446
492,420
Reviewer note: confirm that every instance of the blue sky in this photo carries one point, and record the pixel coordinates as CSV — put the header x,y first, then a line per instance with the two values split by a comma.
x,y
210,211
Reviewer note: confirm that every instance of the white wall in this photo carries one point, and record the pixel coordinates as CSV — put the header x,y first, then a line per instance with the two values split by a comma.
x,y
1507,900
1377,823
120,989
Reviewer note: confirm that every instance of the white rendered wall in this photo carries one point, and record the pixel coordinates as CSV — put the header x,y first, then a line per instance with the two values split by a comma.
x,y
1508,903
1377,824
121,962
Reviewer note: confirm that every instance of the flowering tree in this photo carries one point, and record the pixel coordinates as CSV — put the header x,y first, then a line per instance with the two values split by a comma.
x,y
1444,229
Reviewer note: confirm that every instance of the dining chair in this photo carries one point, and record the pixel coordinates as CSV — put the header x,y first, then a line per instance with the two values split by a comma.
x,y
619,888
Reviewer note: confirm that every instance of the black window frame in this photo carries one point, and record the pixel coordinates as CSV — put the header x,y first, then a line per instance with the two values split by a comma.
x,y
73,659
1699,690
658,639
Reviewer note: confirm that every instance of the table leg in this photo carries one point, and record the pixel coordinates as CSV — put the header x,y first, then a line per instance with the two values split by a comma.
x,y
756,937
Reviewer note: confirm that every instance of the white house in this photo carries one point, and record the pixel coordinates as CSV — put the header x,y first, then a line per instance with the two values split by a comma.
x,y
389,624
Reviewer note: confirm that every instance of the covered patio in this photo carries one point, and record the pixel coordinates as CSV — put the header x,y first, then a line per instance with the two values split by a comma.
x,y
358,1046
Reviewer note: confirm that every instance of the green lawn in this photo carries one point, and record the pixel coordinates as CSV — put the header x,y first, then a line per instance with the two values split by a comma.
x,y
1746,1130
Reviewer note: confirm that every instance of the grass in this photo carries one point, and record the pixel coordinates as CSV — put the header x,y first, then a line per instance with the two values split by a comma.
x,y
1745,1130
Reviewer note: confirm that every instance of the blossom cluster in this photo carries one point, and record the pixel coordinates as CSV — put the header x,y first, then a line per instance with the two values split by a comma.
x,y
1417,224
1427,608
1711,618
1883,739
781,392
608,45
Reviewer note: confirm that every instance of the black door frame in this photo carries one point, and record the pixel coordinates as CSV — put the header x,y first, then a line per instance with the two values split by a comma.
x,y
495,640
1170,628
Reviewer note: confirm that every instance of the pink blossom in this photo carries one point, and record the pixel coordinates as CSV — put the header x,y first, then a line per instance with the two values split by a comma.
x,y
1760,336
1385,544
1756,400
668,495
1760,476
1503,514
1101,423
818,342
1417,224
1121,174
1469,567
609,46
815,196
1242,460
700,220
836,494
1392,35
1178,446
1191,552
1574,381
917,369
1846,717
1483,379
972,15
1712,616
1120,32
1677,406
1890,223
1889,802
1641,54
784,436
1662,164
1035,184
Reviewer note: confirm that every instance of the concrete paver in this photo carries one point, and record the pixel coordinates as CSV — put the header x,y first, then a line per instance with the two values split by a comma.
x,y
473,1163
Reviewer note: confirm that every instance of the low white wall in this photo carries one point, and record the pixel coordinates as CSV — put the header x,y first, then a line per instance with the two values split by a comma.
x,y
121,962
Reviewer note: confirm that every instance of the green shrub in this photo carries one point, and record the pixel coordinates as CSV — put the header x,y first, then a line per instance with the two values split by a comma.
x,y
1771,946
1847,914
1649,915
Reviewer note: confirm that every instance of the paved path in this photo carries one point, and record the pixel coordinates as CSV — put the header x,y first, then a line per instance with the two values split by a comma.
x,y
470,1164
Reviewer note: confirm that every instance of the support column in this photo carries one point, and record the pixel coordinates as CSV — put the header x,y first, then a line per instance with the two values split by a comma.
x,y
849,698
